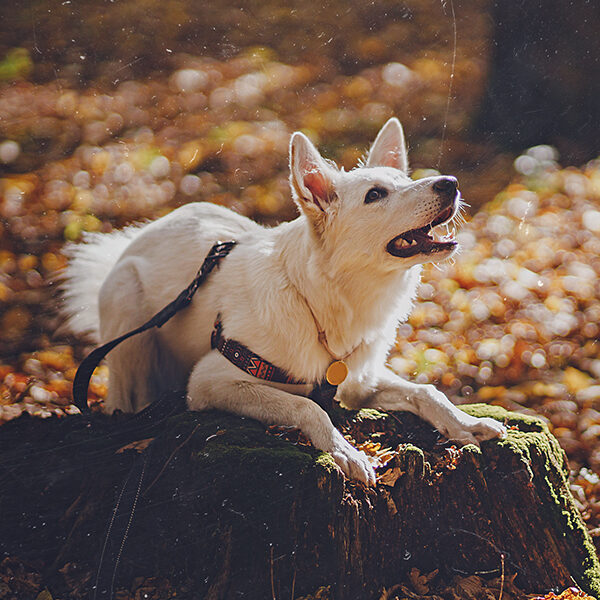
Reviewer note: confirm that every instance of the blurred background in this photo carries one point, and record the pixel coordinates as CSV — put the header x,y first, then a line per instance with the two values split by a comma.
x,y
117,111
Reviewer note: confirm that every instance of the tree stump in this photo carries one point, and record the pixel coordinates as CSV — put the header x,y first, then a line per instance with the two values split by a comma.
x,y
226,508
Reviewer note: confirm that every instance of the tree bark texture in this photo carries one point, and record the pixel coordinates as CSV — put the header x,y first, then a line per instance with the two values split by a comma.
x,y
229,509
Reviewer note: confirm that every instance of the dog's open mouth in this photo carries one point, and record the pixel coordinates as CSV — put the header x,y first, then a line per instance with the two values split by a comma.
x,y
420,241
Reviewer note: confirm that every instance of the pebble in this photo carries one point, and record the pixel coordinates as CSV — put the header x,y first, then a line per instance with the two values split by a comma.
x,y
39,394
397,75
9,151
81,179
591,220
160,167
190,185
589,394
123,172
190,80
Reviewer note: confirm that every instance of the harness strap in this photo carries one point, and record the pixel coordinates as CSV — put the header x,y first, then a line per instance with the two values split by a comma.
x,y
246,360
82,378
243,358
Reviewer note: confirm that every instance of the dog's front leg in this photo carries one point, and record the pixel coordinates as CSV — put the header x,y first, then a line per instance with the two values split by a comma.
x,y
391,392
215,383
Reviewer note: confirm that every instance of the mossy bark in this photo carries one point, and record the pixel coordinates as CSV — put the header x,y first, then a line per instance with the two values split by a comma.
x,y
226,509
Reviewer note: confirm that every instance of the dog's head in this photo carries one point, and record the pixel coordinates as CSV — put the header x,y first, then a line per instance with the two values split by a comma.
x,y
374,215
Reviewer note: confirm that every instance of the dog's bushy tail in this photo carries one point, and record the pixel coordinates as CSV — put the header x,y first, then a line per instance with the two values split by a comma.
x,y
90,262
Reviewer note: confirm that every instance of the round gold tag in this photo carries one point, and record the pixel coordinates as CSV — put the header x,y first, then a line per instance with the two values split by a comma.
x,y
336,372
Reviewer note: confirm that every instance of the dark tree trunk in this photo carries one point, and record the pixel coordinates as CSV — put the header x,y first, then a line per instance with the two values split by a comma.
x,y
544,85
225,509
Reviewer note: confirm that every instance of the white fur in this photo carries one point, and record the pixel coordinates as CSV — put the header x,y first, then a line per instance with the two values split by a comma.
x,y
332,258
89,265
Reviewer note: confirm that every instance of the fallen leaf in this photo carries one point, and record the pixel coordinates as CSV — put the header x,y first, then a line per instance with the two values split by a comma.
x,y
418,581
390,476
138,446
576,380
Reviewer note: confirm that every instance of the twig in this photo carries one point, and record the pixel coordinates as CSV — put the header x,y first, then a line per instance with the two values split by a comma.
x,y
272,578
294,583
450,85
501,578
187,439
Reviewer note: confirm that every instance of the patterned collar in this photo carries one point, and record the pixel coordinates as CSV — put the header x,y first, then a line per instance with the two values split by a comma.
x,y
243,358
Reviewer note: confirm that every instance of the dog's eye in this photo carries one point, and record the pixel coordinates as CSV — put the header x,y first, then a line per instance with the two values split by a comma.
x,y
375,194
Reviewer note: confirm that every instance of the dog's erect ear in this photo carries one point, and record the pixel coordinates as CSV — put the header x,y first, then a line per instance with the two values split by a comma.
x,y
311,177
389,147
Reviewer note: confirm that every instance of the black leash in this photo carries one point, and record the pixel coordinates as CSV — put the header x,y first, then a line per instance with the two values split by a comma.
x,y
323,394
84,373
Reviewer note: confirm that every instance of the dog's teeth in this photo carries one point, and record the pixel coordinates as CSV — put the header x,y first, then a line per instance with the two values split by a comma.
x,y
402,243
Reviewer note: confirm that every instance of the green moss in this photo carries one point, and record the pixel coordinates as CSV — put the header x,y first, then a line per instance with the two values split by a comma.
x,y
471,449
524,433
525,422
325,461
412,460
369,414
16,65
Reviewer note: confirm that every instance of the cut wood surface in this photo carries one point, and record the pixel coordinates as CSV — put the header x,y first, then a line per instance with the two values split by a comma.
x,y
226,508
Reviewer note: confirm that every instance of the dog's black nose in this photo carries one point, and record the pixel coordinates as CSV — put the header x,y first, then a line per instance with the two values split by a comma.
x,y
446,186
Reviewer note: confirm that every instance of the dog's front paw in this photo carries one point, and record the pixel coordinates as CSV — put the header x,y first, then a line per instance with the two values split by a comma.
x,y
472,430
354,463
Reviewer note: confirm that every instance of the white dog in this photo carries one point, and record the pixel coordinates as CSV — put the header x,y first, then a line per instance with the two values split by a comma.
x,y
348,266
